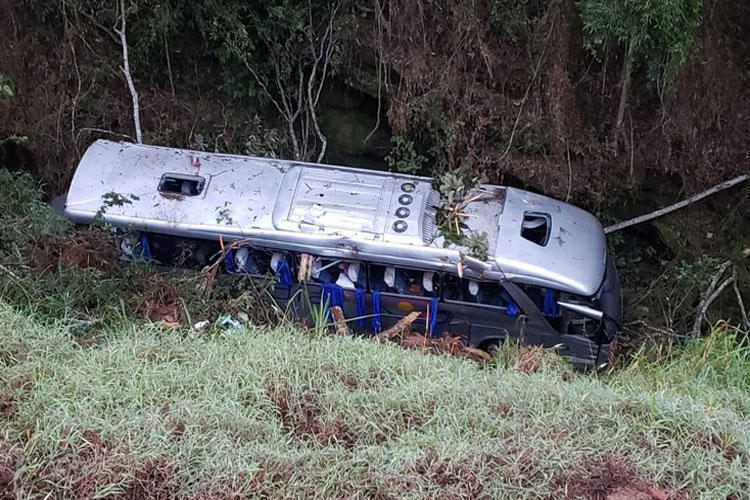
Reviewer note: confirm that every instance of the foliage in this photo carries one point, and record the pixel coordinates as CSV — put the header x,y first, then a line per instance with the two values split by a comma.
x,y
697,273
403,157
6,87
478,245
429,120
511,19
661,33
702,364
256,52
457,189
24,217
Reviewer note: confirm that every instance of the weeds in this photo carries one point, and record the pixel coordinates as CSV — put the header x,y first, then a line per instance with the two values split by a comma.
x,y
403,158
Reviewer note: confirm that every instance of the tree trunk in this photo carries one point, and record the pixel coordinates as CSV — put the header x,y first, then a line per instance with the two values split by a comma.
x,y
128,75
627,71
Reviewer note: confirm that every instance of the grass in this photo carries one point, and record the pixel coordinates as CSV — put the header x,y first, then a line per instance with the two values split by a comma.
x,y
279,414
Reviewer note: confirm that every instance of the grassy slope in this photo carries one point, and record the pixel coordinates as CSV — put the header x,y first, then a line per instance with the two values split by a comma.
x,y
281,414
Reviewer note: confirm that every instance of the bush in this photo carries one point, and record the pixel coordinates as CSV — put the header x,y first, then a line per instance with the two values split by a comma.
x,y
660,33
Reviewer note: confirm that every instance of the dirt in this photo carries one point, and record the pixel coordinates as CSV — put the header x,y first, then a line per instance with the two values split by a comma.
x,y
431,476
78,470
705,129
88,254
7,472
7,406
611,478
161,304
152,480
300,415
444,472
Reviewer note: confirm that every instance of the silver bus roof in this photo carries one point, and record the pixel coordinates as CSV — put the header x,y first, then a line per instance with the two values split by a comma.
x,y
335,211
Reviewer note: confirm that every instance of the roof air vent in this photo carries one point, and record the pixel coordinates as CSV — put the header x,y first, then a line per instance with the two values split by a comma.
x,y
402,212
182,184
536,227
400,226
405,199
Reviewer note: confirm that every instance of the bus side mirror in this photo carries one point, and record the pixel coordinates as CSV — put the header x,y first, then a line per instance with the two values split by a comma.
x,y
587,311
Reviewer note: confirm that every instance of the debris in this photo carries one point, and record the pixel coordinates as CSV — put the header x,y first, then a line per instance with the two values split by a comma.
x,y
304,272
712,292
230,325
161,304
532,358
455,345
477,354
201,325
339,320
399,328
90,251
415,341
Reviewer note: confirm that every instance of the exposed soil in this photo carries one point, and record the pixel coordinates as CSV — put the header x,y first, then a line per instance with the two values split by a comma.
x,y
612,478
7,472
300,415
90,252
161,303
84,250
442,472
78,471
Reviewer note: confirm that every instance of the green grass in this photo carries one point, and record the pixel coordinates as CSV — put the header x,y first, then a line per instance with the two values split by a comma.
x,y
280,414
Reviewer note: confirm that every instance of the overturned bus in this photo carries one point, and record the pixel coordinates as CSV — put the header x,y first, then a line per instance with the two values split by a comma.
x,y
371,240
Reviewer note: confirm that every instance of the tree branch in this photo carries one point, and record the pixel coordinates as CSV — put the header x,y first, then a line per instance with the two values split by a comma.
x,y
128,75
682,204
743,312
711,293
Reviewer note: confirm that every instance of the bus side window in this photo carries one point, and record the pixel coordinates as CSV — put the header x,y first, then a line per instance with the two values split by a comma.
x,y
476,292
347,274
249,260
323,271
544,298
403,281
452,288
492,294
262,263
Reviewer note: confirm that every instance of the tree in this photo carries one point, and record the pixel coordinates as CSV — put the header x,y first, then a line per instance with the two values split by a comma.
x,y
658,33
288,48
126,71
